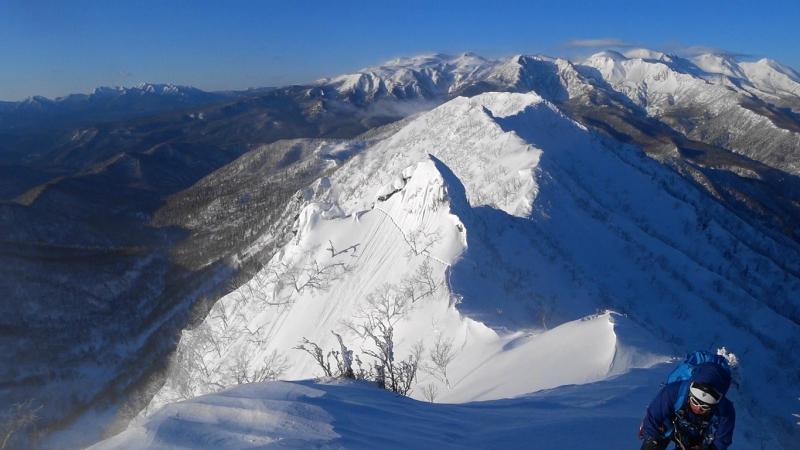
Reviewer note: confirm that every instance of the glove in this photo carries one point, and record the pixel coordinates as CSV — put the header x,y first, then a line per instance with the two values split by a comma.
x,y
700,447
654,443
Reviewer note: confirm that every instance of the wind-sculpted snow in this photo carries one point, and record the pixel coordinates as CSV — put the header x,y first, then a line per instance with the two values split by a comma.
x,y
356,415
504,222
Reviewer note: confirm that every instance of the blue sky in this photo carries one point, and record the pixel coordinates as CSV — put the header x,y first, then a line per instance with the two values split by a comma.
x,y
52,48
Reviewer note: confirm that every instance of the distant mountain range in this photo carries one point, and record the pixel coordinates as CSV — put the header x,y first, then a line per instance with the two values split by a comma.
x,y
104,104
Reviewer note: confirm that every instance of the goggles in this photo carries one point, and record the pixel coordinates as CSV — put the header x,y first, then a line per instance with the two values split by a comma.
x,y
701,398
699,404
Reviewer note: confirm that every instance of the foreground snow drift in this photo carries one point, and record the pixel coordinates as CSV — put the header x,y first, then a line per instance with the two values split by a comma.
x,y
354,415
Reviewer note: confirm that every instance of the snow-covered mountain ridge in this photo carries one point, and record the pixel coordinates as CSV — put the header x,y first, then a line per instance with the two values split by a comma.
x,y
438,74
113,91
500,218
710,98
103,104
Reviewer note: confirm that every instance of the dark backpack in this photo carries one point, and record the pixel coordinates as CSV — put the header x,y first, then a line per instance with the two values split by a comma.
x,y
685,370
683,373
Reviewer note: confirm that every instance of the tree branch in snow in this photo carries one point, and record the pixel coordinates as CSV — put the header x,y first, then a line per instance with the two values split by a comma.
x,y
442,354
406,371
420,241
271,367
421,283
319,356
375,323
278,284
346,364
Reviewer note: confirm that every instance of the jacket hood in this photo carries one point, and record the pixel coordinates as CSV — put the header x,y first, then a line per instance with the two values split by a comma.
x,y
714,376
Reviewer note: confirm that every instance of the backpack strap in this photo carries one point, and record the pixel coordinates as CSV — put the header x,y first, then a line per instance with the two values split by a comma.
x,y
683,391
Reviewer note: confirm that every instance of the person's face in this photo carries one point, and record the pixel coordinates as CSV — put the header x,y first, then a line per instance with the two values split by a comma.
x,y
698,407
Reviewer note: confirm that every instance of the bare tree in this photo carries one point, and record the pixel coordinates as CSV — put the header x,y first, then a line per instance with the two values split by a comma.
x,y
263,289
430,392
406,370
375,323
442,355
421,283
18,419
346,363
420,241
319,356
316,276
188,372
271,367
277,284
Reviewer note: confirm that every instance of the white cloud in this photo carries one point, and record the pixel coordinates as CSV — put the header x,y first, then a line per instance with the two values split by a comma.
x,y
600,42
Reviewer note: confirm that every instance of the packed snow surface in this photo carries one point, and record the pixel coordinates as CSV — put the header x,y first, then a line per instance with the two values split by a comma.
x,y
357,415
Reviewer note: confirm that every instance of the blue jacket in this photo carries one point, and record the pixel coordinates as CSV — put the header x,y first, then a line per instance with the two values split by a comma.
x,y
660,414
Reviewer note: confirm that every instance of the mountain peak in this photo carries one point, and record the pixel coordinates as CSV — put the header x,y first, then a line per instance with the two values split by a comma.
x,y
608,54
717,63
778,67
644,53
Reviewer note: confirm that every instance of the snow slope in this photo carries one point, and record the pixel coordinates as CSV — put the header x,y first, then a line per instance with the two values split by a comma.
x,y
337,414
522,220
764,76
711,98
340,414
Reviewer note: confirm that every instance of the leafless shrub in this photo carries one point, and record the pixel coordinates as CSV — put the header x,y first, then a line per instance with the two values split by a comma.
x,y
270,368
442,354
374,323
430,392
406,370
279,283
319,356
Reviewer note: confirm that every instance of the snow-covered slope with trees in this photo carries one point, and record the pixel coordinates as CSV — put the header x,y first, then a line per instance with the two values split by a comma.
x,y
712,100
484,229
